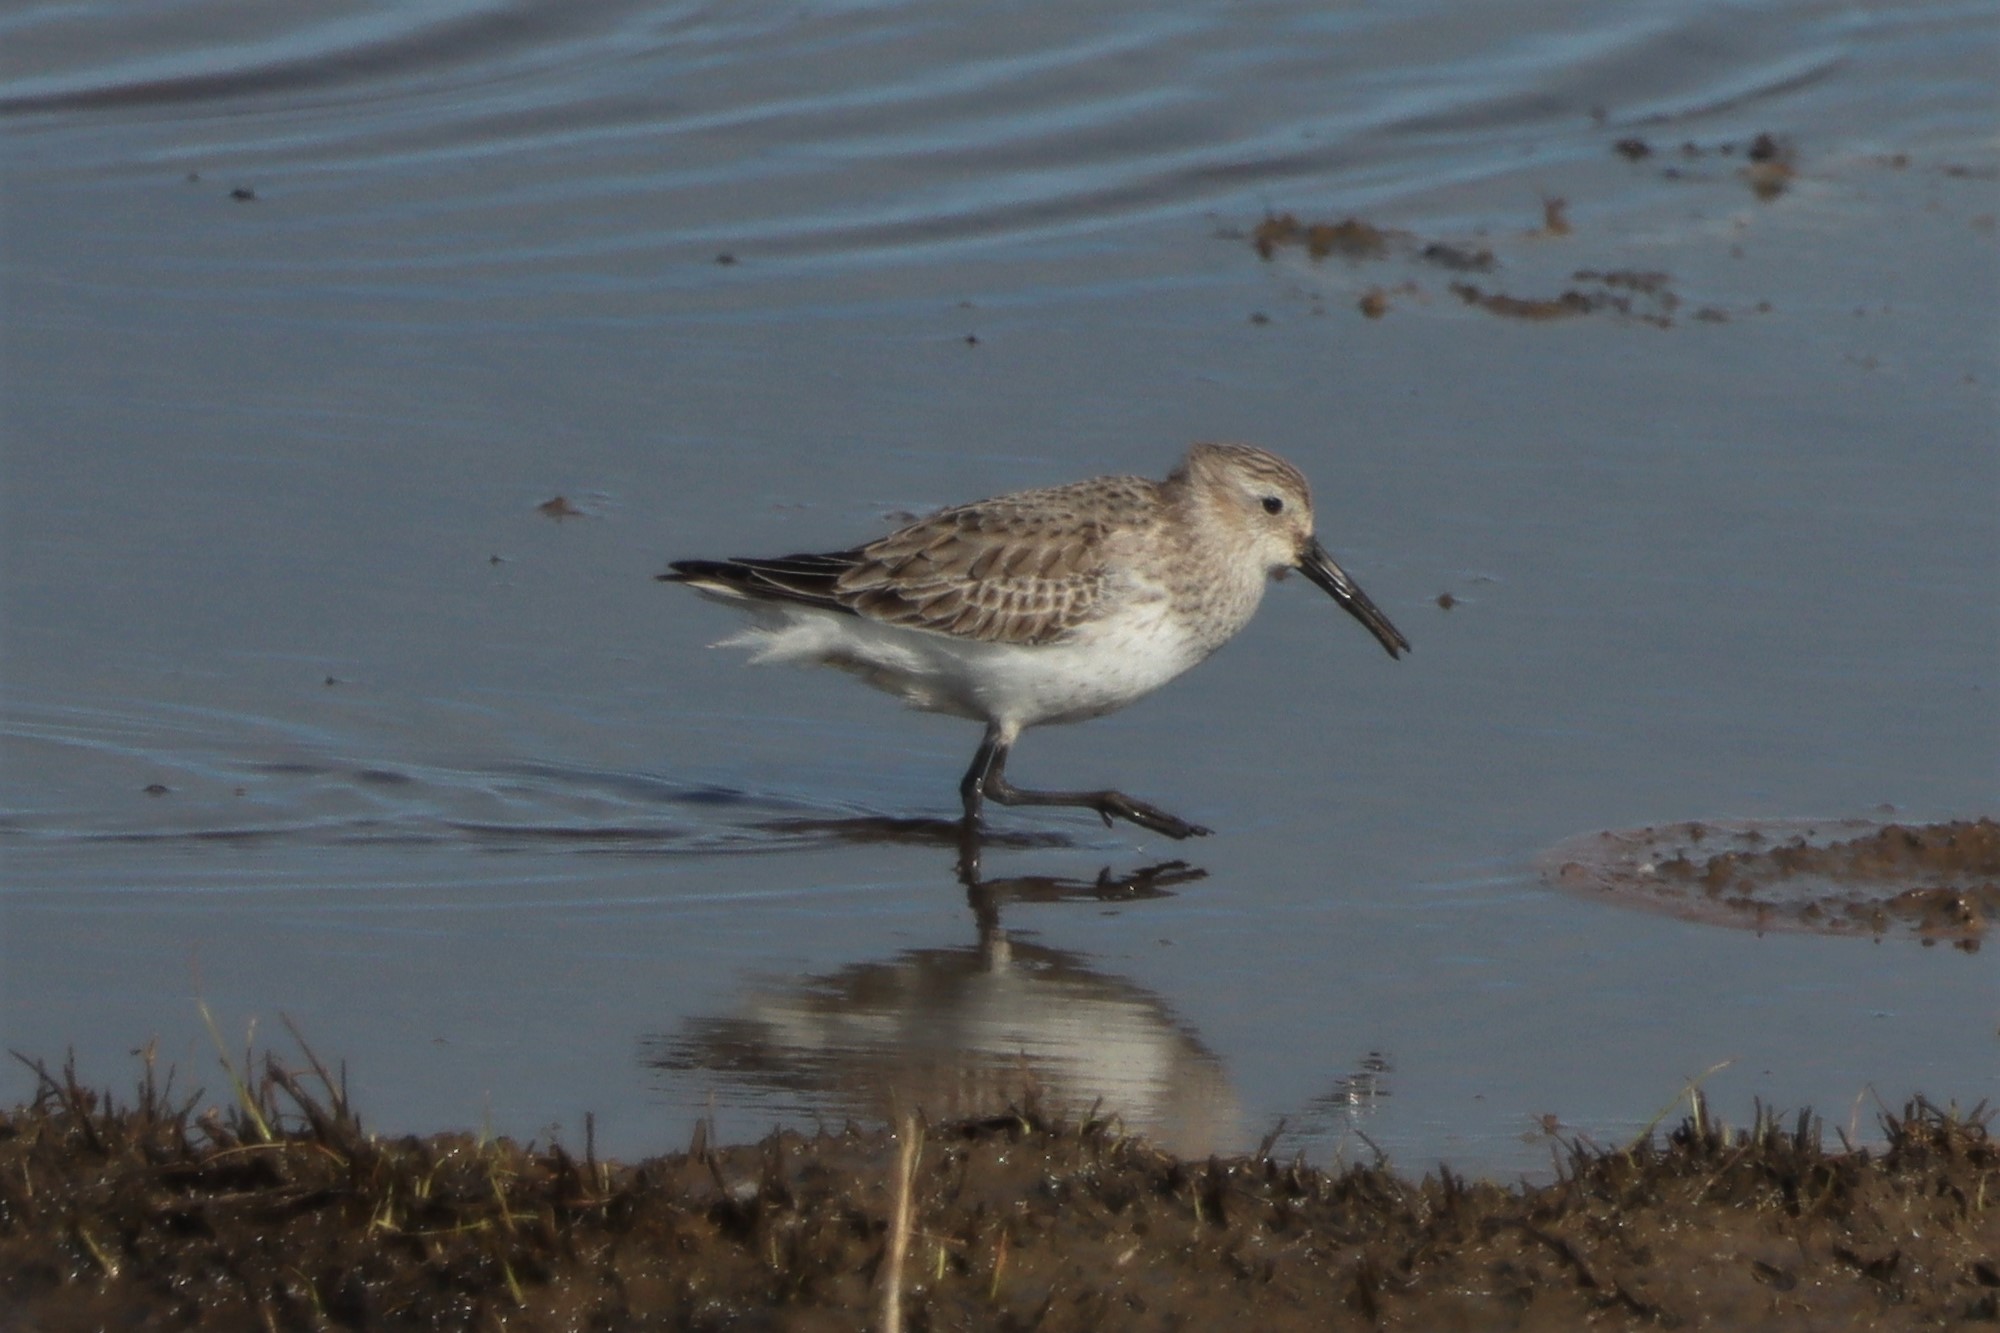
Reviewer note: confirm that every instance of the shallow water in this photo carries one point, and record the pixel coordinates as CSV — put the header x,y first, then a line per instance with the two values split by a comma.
x,y
456,787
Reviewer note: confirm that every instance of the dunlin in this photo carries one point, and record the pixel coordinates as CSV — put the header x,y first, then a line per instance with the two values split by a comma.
x,y
1043,606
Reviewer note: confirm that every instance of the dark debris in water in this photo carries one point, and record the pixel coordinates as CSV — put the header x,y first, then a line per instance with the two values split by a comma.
x,y
1640,296
1463,259
1636,294
1847,877
1355,239
283,1212
558,507
1350,238
1770,160
1768,163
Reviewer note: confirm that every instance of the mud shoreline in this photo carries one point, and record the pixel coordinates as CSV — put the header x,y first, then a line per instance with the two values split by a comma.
x,y
281,1211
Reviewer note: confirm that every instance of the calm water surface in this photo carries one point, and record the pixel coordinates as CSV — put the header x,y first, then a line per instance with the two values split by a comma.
x,y
308,711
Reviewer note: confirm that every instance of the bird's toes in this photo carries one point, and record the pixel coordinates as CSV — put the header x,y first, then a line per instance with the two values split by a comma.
x,y
1151,817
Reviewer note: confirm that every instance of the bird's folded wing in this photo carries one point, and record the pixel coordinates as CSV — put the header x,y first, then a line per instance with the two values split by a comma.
x,y
1022,569
997,572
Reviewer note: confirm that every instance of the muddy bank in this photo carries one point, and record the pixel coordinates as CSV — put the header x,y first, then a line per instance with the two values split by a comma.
x,y
1930,882
282,1212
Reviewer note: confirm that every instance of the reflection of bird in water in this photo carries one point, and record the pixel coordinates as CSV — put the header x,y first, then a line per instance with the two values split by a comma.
x,y
971,1030
1046,606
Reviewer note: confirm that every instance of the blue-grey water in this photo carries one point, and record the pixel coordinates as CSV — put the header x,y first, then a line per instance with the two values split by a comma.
x,y
307,711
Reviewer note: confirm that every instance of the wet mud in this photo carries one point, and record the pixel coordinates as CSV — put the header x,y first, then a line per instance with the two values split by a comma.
x,y
1931,882
283,1212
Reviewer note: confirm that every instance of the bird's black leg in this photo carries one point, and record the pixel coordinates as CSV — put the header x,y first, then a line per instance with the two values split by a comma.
x,y
988,777
972,791
990,759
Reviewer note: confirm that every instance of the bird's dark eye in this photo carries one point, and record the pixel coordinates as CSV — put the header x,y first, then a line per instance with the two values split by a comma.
x,y
1273,505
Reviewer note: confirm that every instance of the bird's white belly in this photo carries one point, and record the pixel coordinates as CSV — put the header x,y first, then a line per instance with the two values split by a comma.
x,y
1101,668
1109,665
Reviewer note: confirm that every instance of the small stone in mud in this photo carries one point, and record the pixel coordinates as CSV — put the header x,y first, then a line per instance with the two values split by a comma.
x,y
243,194
1446,601
1374,303
1632,149
157,789
558,508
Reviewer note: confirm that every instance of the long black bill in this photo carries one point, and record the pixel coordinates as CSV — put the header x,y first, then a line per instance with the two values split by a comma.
x,y
1318,566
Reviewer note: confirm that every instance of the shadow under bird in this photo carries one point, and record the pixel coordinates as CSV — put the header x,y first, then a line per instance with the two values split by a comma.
x,y
1051,605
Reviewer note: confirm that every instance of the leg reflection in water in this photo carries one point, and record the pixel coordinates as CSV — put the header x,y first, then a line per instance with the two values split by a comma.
x,y
985,895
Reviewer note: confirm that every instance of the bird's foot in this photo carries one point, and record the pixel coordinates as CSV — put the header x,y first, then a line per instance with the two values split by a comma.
x,y
1116,803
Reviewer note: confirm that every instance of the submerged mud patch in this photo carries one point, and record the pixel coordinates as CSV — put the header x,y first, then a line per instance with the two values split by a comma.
x,y
283,1213
1843,877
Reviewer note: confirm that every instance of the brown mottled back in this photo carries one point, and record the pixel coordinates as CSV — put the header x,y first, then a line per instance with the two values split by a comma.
x,y
1017,569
